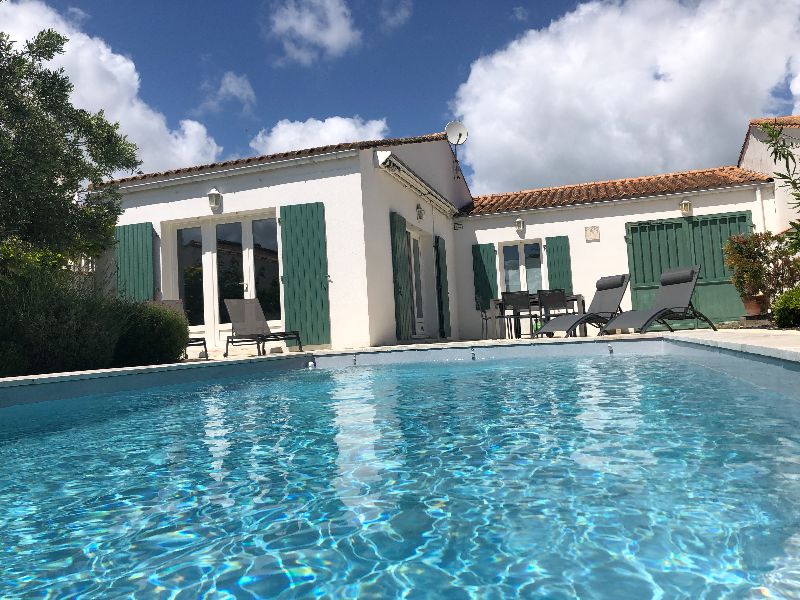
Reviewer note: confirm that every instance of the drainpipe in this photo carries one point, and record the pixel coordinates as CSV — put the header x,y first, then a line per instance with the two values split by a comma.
x,y
760,201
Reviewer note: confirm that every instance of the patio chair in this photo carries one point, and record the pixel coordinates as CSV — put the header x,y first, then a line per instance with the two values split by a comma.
x,y
485,317
177,305
249,326
673,301
552,303
517,302
604,307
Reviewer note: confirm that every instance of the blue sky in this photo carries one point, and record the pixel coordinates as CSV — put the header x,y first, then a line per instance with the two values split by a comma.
x,y
552,92
406,74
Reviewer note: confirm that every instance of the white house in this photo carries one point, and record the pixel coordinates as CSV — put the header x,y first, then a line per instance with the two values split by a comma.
x,y
378,242
326,238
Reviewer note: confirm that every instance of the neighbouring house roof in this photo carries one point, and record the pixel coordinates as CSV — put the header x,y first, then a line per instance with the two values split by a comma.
x,y
616,189
254,160
784,121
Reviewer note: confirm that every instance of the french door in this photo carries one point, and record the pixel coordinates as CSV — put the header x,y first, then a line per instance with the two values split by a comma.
x,y
416,282
228,260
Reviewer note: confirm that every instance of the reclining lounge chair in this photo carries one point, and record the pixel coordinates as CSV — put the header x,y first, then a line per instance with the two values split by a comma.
x,y
604,306
673,301
249,326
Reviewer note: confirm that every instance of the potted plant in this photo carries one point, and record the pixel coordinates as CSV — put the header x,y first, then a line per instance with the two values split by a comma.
x,y
763,266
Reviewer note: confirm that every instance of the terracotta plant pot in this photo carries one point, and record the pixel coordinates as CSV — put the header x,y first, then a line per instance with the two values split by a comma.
x,y
755,305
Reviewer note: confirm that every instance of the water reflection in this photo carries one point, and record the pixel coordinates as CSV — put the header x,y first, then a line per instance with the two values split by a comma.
x,y
359,463
216,439
610,417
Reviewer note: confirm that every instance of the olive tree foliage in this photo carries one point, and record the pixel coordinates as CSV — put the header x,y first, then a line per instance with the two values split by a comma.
x,y
51,153
782,151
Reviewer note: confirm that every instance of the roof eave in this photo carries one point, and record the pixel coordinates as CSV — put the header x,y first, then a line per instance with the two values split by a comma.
x,y
212,173
515,211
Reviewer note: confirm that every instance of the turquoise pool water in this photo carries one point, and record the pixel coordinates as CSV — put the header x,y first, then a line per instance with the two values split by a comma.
x,y
611,477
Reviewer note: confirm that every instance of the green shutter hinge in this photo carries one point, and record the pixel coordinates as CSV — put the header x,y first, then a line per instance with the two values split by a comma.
x,y
279,221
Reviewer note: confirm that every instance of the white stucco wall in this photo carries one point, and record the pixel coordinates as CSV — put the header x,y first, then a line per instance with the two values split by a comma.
x,y
590,260
756,157
383,194
335,182
435,163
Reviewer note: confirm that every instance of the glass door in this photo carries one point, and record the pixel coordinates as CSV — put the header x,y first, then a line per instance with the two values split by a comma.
x,y
416,279
266,267
231,282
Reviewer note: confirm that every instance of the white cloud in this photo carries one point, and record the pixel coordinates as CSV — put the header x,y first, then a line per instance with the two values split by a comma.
x,y
232,87
520,13
308,29
295,135
109,81
395,13
619,89
77,15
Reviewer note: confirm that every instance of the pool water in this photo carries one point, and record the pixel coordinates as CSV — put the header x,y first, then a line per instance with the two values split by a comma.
x,y
610,477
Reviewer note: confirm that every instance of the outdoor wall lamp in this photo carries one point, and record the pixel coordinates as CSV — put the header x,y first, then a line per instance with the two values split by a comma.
x,y
420,212
519,225
214,198
686,207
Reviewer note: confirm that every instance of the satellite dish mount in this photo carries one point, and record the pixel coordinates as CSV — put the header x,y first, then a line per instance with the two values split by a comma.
x,y
456,135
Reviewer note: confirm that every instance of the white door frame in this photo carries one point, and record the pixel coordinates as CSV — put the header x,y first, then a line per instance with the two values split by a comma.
x,y
214,331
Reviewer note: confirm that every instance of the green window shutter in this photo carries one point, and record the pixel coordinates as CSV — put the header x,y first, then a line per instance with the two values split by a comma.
x,y
559,263
484,271
401,272
304,250
133,254
442,290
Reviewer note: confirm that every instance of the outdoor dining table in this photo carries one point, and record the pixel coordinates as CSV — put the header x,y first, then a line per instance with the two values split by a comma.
x,y
576,301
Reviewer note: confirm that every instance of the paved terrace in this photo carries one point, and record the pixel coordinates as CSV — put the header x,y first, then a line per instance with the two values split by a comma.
x,y
783,344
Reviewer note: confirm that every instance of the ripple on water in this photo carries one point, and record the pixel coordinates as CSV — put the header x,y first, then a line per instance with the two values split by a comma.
x,y
631,477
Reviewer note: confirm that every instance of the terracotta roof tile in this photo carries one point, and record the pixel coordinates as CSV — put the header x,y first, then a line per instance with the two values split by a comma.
x,y
786,121
432,137
617,189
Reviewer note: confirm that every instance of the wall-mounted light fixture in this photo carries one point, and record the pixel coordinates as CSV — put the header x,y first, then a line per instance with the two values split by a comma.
x,y
519,225
420,212
685,207
214,198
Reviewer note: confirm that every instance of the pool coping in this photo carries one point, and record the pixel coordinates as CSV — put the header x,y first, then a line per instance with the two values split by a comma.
x,y
81,383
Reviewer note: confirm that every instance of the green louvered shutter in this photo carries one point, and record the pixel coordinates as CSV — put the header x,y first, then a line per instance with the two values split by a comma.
x,y
442,289
304,250
401,274
134,261
559,264
484,271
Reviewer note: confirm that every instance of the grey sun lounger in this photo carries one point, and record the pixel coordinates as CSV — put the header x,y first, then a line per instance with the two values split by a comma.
x,y
673,301
249,326
604,306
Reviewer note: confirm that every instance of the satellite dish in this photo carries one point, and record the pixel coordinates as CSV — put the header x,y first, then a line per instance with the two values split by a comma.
x,y
456,132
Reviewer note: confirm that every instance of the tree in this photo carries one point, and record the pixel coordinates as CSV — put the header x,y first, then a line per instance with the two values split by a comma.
x,y
51,153
782,152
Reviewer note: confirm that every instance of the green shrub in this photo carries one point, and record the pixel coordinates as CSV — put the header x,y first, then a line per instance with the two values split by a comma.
x,y
152,334
55,320
786,309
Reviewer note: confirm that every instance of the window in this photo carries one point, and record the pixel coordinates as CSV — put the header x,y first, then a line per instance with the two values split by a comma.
x,y
522,267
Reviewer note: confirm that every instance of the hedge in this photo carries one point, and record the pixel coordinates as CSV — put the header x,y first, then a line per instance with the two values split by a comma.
x,y
786,309
54,320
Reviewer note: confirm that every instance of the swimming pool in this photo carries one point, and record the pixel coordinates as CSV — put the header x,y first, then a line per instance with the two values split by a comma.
x,y
601,476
